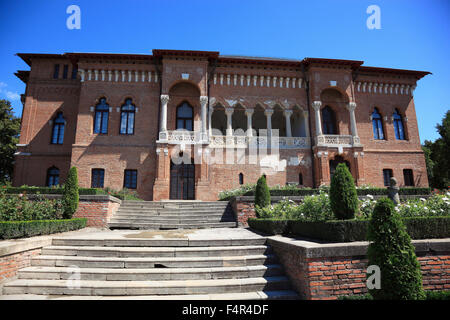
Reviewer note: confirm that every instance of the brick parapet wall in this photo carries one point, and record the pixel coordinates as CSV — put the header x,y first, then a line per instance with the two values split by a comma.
x,y
10,264
97,209
327,271
244,207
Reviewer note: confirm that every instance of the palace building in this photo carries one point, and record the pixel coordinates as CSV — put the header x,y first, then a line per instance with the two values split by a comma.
x,y
182,124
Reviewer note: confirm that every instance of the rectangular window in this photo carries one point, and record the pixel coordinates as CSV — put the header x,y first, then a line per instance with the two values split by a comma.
x,y
65,71
130,179
387,175
98,176
408,177
56,72
74,72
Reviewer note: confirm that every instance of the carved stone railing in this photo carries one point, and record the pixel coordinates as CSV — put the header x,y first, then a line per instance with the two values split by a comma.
x,y
294,142
193,137
333,140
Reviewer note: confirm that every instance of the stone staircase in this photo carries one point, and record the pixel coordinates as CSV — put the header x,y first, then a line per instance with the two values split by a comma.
x,y
119,266
173,215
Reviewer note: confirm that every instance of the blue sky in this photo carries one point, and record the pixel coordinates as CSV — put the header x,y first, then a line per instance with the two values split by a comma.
x,y
414,35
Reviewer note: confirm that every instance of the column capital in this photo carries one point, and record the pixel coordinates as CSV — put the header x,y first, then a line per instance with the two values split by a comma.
x,y
165,98
351,106
316,105
249,111
203,100
229,111
268,112
288,112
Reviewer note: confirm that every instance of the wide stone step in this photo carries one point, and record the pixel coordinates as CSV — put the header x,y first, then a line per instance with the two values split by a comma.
x,y
148,225
172,211
257,295
152,262
164,242
176,206
93,251
162,219
174,215
164,222
163,287
104,274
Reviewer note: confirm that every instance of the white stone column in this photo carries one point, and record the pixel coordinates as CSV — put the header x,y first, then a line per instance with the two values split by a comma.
x,y
269,113
306,122
229,113
316,106
351,106
203,104
287,116
249,114
163,123
211,110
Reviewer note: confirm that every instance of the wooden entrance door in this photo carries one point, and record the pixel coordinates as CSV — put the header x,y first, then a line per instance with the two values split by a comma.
x,y
182,181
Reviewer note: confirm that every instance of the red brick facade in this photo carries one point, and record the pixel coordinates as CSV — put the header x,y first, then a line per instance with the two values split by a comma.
x,y
224,93
326,274
10,264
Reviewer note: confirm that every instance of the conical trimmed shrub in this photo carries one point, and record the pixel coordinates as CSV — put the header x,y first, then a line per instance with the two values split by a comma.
x,y
391,250
70,194
262,194
343,196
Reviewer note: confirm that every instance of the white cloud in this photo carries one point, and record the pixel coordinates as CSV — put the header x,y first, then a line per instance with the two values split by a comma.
x,y
12,95
9,94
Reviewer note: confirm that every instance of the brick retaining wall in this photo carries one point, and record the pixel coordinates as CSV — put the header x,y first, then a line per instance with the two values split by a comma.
x,y
97,209
327,271
244,206
10,264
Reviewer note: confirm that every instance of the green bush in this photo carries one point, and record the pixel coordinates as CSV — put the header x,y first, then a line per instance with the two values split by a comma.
x,y
430,295
124,194
315,208
269,226
296,191
70,194
19,208
50,190
262,195
23,229
343,197
284,209
438,295
332,231
356,230
391,250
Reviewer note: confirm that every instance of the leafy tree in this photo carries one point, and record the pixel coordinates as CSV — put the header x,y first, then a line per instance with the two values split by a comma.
x,y
9,137
70,194
262,194
391,250
343,196
437,156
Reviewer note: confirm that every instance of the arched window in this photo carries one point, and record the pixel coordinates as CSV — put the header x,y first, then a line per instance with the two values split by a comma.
x,y
127,117
241,178
185,117
377,125
101,117
328,121
300,179
398,126
58,129
52,177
